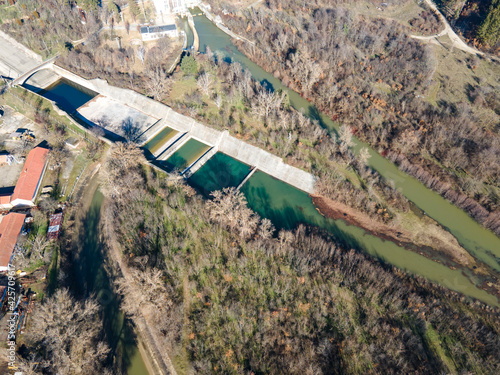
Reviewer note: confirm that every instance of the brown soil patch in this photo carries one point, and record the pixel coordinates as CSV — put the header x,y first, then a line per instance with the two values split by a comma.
x,y
442,242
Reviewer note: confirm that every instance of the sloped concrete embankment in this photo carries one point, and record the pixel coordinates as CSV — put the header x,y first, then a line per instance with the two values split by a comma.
x,y
224,142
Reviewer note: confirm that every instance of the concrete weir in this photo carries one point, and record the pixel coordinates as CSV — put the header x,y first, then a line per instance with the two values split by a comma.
x,y
189,128
250,174
193,168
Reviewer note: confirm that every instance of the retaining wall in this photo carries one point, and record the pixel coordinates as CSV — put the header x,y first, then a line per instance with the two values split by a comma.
x,y
225,143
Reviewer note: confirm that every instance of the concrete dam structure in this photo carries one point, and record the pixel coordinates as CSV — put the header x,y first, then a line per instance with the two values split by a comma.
x,y
186,129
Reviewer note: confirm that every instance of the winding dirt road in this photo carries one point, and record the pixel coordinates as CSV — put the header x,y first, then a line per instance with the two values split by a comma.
x,y
457,42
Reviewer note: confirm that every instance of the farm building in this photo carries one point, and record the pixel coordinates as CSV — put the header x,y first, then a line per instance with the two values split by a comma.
x,y
10,227
30,179
5,201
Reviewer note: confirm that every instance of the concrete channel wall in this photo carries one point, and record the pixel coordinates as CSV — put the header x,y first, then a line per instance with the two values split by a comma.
x,y
224,142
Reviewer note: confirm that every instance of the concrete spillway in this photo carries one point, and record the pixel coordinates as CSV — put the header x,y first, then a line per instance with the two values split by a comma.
x,y
250,174
189,128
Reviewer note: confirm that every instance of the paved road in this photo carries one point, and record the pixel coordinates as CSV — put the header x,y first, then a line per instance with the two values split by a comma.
x,y
14,61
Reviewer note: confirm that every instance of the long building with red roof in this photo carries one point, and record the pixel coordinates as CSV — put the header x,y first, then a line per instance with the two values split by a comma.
x,y
10,227
30,179
5,202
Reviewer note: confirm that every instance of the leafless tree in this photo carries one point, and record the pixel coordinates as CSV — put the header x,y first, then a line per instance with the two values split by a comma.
x,y
158,84
229,207
218,101
205,82
364,155
140,53
266,102
266,229
66,335
345,137
154,292
120,170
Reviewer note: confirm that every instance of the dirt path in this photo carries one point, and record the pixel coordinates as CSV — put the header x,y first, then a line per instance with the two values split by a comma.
x,y
457,42
84,195
158,360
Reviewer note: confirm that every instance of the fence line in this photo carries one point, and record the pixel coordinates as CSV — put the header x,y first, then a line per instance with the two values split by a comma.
x,y
80,132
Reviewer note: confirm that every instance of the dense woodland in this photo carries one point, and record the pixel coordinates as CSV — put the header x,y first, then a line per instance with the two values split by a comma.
x,y
477,20
367,73
48,26
231,295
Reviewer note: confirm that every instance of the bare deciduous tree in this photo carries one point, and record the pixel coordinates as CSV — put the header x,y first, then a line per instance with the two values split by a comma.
x,y
267,102
364,155
65,336
266,229
205,82
159,84
140,53
116,176
229,207
345,136
218,101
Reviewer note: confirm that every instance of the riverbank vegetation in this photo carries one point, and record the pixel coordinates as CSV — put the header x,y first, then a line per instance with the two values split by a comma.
x,y
65,337
225,96
373,79
229,294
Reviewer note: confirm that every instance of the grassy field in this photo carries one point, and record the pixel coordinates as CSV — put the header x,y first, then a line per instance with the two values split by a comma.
x,y
80,163
401,14
432,337
456,74
28,103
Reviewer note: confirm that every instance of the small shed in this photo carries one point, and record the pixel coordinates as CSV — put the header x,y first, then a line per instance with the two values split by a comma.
x,y
6,159
55,226
72,142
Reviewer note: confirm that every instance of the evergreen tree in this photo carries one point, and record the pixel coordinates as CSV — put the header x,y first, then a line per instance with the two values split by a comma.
x,y
189,65
489,31
89,4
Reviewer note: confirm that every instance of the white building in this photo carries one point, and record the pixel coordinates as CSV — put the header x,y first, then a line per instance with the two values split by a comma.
x,y
155,32
166,7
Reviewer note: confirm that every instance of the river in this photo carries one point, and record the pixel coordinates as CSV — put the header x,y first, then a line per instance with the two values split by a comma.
x,y
90,276
287,206
480,242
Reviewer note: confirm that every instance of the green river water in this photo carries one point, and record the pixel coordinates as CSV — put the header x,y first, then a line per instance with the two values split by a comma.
x,y
287,207
267,198
91,277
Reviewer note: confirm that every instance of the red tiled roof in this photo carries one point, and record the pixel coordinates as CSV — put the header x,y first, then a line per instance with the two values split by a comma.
x,y
10,227
31,174
4,199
